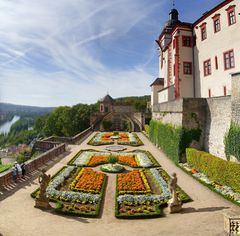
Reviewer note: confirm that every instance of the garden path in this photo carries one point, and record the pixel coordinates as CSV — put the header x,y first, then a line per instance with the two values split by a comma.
x,y
203,216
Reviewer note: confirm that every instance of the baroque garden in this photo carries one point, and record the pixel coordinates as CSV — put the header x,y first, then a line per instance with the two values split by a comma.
x,y
116,177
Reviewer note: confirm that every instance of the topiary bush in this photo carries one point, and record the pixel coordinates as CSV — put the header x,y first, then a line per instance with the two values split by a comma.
x,y
217,169
232,141
171,139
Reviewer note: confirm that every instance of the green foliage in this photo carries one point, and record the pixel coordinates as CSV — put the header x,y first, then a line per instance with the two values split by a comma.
x,y
5,167
217,169
24,136
107,124
146,128
172,140
112,159
140,103
232,144
66,121
22,124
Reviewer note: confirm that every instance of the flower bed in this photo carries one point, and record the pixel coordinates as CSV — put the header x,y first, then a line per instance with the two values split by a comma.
x,y
224,190
86,201
137,204
123,138
133,182
137,158
88,180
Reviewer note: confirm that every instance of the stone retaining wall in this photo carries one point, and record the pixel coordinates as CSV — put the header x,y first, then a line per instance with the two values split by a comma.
x,y
31,165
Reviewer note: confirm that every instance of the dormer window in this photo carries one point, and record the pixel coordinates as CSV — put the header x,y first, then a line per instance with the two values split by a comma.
x,y
231,15
216,23
203,31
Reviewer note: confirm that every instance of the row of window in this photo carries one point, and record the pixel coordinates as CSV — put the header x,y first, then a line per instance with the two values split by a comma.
x,y
216,22
228,59
224,91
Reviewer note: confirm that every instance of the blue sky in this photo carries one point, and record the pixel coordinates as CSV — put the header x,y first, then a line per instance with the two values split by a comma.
x,y
65,52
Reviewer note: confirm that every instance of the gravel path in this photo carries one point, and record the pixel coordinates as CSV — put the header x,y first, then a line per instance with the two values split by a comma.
x,y
202,217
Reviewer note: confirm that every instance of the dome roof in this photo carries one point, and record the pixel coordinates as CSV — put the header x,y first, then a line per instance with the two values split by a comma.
x,y
173,11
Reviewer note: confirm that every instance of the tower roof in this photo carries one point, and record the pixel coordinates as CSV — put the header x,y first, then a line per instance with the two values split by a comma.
x,y
107,98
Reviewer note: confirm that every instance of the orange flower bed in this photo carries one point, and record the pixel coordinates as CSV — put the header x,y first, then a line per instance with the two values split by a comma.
x,y
128,160
106,139
108,135
97,160
123,135
90,180
124,139
131,182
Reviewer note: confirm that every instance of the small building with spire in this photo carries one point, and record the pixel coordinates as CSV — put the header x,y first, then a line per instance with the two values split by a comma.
x,y
106,104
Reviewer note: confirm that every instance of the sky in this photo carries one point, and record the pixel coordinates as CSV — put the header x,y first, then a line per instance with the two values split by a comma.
x,y
65,52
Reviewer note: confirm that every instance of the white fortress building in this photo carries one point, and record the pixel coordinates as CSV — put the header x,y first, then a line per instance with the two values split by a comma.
x,y
197,59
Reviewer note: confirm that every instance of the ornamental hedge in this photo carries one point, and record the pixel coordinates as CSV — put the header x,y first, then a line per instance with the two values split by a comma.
x,y
232,144
217,169
173,140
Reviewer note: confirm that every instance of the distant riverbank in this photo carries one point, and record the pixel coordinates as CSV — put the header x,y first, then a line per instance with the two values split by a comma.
x,y
5,127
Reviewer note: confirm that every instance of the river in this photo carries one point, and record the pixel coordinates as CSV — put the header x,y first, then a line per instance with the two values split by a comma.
x,y
5,128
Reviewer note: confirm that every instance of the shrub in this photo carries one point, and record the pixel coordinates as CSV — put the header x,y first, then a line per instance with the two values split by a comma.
x,y
146,128
112,159
217,169
232,144
172,140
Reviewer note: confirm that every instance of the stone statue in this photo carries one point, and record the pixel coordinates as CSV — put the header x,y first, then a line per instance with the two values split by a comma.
x,y
42,201
175,204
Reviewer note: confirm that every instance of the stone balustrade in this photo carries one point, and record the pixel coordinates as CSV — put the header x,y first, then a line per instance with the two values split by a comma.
x,y
31,165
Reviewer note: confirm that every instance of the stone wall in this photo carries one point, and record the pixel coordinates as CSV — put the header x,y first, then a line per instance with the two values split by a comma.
x,y
218,120
212,116
169,112
236,98
69,140
35,164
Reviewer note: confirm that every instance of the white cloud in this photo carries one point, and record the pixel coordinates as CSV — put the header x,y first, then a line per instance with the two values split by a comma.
x,y
50,50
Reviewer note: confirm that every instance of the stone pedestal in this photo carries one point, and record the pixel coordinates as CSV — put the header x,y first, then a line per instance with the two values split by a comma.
x,y
174,206
232,223
42,203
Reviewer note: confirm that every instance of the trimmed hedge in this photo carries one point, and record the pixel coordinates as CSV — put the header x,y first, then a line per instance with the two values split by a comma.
x,y
217,169
172,140
232,144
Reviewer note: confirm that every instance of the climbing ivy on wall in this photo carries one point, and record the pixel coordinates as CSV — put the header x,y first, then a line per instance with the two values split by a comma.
x,y
232,141
171,139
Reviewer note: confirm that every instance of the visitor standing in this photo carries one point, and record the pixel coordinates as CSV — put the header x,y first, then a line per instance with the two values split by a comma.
x,y
14,174
19,169
23,167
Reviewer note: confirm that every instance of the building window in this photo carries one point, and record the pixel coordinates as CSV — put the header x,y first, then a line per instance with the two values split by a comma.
x,y
186,41
231,15
228,60
207,67
203,32
209,93
224,90
187,68
216,62
217,26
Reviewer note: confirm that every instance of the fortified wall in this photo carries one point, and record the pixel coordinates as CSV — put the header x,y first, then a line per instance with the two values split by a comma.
x,y
212,115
